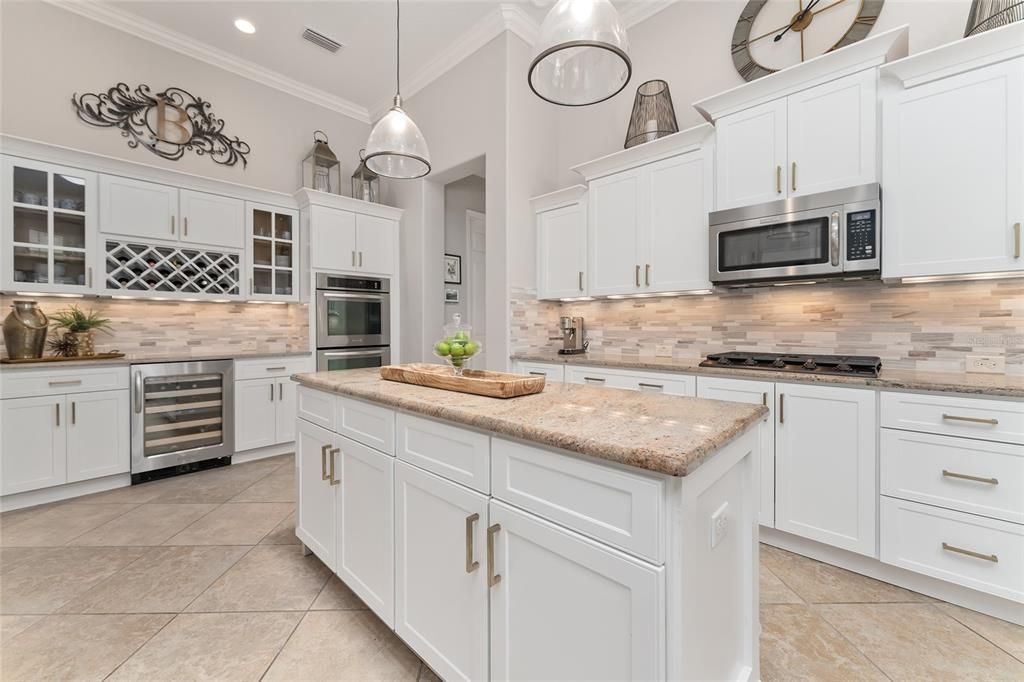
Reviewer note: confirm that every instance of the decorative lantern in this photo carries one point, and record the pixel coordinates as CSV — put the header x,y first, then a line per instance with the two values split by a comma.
x,y
988,14
653,115
320,169
365,183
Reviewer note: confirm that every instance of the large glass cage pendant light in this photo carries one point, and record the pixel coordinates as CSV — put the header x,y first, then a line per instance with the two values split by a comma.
x,y
582,56
396,148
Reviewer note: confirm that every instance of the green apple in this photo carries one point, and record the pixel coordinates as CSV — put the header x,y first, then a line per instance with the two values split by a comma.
x,y
442,349
461,336
457,351
471,348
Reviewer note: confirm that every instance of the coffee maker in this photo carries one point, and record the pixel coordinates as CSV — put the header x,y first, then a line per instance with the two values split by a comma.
x,y
572,339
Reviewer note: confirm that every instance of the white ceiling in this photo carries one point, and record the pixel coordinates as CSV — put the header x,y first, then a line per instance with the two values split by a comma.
x,y
363,72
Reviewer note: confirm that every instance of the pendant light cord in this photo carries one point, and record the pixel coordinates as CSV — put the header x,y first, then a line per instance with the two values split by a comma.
x,y
398,47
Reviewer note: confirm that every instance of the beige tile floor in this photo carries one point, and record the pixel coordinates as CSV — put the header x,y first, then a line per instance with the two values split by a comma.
x,y
200,577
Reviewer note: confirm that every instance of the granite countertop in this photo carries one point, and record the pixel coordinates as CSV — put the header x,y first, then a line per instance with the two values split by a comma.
x,y
145,358
892,379
660,433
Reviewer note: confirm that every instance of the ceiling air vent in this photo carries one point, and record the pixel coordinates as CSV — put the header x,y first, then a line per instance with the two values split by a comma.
x,y
320,40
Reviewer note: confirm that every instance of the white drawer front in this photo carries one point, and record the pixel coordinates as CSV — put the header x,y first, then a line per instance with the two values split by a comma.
x,y
999,420
983,554
672,384
367,424
316,407
554,373
974,476
460,455
614,506
25,383
263,368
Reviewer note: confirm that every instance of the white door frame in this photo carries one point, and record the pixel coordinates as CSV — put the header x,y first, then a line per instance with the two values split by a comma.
x,y
467,271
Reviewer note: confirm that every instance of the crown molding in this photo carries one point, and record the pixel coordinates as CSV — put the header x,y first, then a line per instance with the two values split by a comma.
x,y
636,12
172,40
681,142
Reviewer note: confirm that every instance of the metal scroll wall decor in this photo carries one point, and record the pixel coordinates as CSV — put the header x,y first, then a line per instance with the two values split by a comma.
x,y
166,123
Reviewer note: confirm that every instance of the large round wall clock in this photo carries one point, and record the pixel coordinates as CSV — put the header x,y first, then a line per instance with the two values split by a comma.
x,y
773,34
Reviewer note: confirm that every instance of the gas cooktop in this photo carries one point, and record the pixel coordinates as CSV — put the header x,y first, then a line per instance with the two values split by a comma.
x,y
842,365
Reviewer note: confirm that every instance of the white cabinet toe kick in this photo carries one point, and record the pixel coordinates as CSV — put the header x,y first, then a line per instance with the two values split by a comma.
x,y
498,559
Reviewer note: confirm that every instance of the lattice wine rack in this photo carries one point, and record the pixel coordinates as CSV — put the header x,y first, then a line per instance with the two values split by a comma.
x,y
133,267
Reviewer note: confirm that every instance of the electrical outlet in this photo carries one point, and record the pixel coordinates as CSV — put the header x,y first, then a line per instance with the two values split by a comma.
x,y
986,364
719,524
663,351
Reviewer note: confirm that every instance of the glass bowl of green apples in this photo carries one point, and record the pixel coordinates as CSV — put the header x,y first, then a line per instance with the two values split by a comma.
x,y
458,346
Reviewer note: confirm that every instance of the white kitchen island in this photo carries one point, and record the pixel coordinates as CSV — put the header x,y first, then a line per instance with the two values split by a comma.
x,y
578,534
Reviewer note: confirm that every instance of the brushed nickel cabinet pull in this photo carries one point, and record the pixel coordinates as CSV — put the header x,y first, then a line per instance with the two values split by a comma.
x,y
353,259
657,386
538,374
782,408
333,453
778,179
794,176
172,224
492,578
277,369
1016,240
470,564
599,380
66,382
968,477
360,259
764,398
250,286
186,225
638,276
280,390
647,274
74,418
90,277
323,461
57,405
973,420
966,552
581,280
271,392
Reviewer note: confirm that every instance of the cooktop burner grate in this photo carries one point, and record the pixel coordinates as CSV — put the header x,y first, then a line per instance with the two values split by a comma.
x,y
841,365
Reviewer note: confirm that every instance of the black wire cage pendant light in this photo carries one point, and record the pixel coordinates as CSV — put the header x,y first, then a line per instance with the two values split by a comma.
x,y
396,148
653,114
582,55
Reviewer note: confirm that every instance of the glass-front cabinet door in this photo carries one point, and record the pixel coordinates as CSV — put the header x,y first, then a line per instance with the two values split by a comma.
x,y
272,252
49,228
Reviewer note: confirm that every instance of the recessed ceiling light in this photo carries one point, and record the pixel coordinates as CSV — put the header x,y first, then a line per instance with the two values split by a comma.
x,y
245,26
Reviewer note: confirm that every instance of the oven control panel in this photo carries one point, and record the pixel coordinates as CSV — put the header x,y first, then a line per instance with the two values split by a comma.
x,y
861,235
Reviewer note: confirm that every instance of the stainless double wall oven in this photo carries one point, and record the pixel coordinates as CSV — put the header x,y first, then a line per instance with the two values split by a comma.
x,y
353,322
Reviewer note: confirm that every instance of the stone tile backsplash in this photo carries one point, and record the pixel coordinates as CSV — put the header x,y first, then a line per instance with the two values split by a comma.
x,y
920,326
142,328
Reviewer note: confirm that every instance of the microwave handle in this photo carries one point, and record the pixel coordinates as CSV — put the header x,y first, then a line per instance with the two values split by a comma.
x,y
834,238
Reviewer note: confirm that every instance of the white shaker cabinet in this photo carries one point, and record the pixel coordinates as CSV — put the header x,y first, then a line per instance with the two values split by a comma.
x,y
825,463
255,414
33,443
333,239
757,393
212,219
751,156
97,431
135,208
315,512
953,169
441,600
562,243
349,235
375,244
614,206
365,525
610,617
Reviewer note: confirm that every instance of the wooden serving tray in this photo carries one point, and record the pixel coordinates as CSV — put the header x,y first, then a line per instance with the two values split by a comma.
x,y
58,358
475,381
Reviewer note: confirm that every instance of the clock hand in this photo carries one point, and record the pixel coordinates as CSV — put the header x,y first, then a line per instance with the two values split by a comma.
x,y
798,17
828,7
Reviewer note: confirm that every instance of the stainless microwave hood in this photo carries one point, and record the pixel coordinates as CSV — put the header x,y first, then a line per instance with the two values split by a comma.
x,y
816,236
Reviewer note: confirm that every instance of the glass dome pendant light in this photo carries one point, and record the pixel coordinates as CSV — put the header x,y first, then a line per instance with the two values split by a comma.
x,y
396,148
582,55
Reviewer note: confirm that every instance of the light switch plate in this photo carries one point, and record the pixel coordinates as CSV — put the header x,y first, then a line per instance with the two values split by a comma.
x,y
986,364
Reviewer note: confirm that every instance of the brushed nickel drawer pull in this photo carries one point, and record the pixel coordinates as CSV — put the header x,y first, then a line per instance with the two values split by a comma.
x,y
968,477
330,473
966,552
471,565
597,379
660,387
492,578
973,420
66,382
538,374
276,369
323,461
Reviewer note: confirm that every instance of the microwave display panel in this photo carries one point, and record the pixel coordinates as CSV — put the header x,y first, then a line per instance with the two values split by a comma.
x,y
803,242
860,235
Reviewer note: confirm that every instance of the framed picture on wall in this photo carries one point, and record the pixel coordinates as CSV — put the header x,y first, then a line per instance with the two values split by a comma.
x,y
451,295
452,269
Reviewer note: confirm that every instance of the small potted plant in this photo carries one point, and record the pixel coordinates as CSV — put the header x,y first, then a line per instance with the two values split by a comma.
x,y
81,326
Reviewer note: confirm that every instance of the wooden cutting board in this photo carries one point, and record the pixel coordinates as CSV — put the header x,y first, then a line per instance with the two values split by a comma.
x,y
475,381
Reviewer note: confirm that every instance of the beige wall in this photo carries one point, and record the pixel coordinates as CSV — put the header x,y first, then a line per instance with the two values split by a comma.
x,y
688,45
918,326
146,329
49,53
